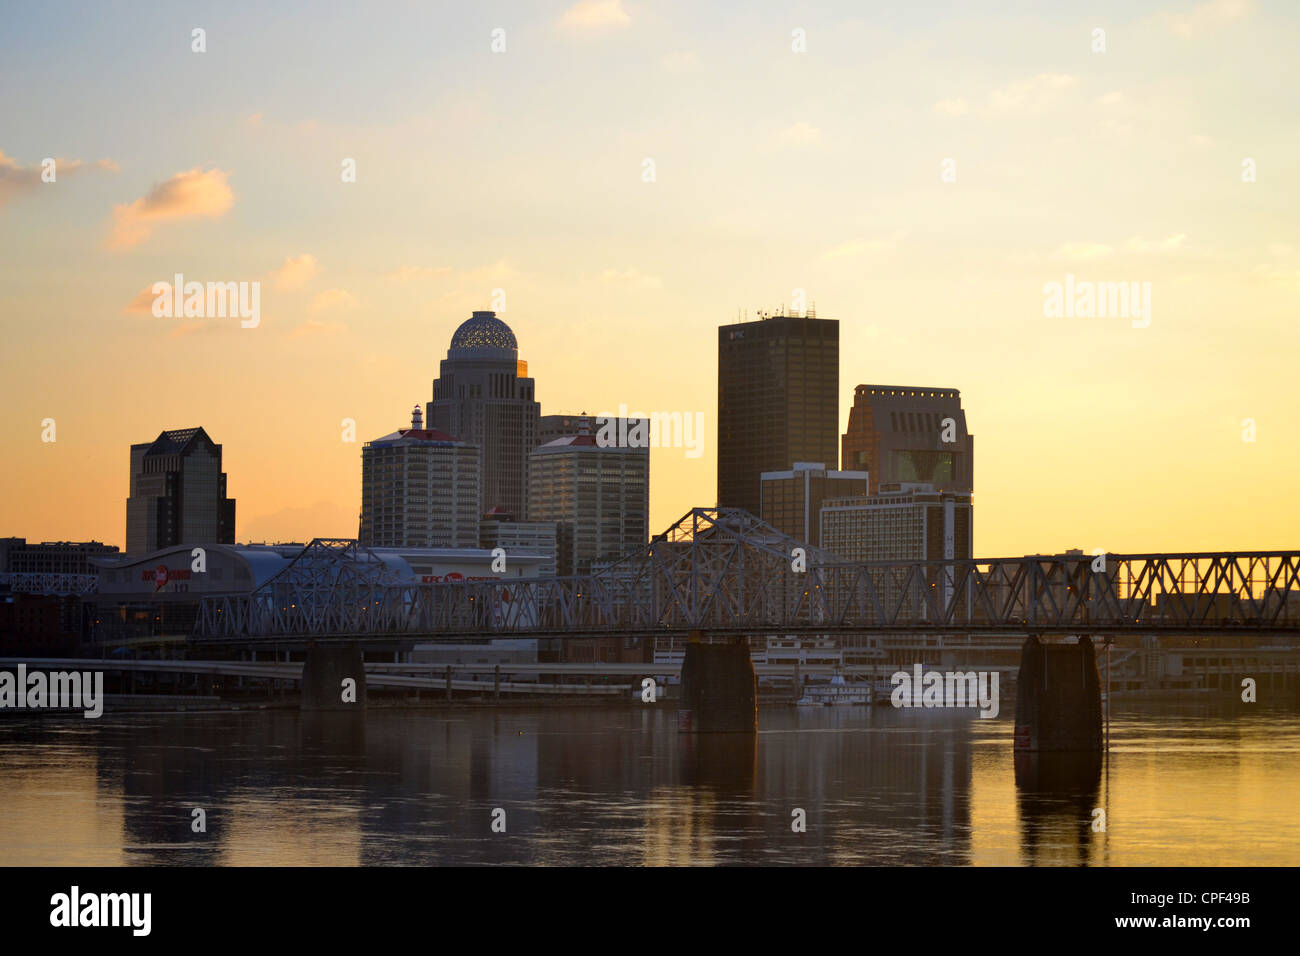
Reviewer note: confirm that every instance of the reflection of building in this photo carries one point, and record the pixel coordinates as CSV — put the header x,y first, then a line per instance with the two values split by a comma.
x,y
792,500
901,522
178,493
419,489
778,401
483,396
598,497
910,434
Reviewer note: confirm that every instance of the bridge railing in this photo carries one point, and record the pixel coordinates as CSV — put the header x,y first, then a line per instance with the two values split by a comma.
x,y
728,589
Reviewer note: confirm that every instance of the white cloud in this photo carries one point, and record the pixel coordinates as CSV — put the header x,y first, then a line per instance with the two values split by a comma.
x,y
296,271
1208,17
1168,244
800,134
1084,250
194,193
16,180
684,62
953,107
1029,96
315,327
334,299
595,15
412,273
857,247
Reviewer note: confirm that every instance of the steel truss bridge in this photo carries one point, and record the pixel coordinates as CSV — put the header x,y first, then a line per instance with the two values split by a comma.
x,y
723,571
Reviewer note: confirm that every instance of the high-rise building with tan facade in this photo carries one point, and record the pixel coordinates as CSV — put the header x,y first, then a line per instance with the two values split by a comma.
x,y
483,396
792,500
598,496
902,521
904,433
419,489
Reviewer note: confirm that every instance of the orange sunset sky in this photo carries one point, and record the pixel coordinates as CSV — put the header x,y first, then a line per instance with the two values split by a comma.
x,y
775,170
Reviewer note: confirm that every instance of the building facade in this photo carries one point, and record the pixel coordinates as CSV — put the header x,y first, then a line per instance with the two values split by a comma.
x,y
778,401
792,500
483,396
178,493
419,489
900,522
910,434
598,497
17,556
551,427
528,537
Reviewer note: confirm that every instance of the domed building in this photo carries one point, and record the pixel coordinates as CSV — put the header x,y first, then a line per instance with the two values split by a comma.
x,y
483,396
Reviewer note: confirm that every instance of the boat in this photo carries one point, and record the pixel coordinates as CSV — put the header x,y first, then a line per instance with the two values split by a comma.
x,y
837,692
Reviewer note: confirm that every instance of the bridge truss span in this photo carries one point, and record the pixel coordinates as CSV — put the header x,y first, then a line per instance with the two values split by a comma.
x,y
725,571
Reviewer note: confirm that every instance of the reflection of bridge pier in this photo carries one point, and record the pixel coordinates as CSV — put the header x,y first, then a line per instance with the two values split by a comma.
x,y
1057,795
334,678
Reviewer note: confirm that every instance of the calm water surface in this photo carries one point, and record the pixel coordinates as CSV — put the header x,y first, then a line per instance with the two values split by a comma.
x,y
1185,784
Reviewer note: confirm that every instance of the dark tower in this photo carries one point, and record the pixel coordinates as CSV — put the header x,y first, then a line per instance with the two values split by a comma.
x,y
778,401
178,493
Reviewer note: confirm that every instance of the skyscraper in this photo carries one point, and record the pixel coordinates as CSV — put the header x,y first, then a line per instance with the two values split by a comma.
x,y
778,401
909,434
419,489
599,498
484,397
178,493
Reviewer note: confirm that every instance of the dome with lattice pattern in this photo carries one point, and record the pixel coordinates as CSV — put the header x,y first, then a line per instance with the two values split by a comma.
x,y
483,330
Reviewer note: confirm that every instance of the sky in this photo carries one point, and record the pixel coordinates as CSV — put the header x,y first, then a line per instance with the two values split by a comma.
x,y
920,175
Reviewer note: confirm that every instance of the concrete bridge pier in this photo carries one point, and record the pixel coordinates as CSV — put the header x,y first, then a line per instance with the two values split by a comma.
x,y
326,672
1058,697
719,688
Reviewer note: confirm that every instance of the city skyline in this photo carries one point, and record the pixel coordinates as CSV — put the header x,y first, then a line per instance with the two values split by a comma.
x,y
543,433
1115,166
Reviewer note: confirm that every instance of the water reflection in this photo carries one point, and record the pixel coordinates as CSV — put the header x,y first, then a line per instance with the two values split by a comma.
x,y
1057,794
594,786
